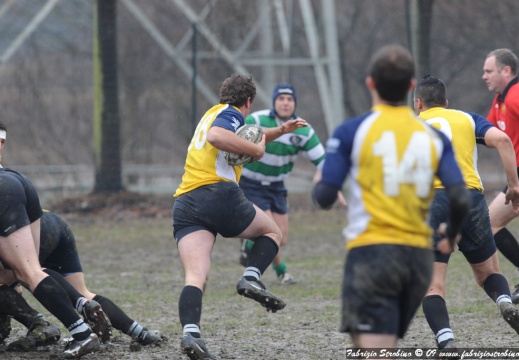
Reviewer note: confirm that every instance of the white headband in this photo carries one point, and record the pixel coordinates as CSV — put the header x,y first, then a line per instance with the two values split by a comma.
x,y
3,134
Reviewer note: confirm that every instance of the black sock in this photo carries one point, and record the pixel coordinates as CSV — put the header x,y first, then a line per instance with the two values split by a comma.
x,y
13,304
262,253
55,299
190,308
118,318
72,293
437,316
496,285
507,245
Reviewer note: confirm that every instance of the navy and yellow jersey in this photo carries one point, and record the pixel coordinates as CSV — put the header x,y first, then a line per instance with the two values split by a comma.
x,y
464,130
205,164
392,158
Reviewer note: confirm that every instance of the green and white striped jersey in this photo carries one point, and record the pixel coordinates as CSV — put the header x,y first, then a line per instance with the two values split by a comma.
x,y
280,154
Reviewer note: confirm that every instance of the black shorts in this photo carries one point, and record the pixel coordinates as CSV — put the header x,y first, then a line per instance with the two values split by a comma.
x,y
383,287
19,202
266,196
477,242
220,208
58,249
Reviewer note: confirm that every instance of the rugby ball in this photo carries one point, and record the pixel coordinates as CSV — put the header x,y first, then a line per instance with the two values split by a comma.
x,y
249,132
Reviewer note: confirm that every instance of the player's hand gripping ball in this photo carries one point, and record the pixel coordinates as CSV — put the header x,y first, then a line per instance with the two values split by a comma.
x,y
249,132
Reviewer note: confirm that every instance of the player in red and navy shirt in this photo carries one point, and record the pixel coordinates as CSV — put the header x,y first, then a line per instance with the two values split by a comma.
x,y
500,75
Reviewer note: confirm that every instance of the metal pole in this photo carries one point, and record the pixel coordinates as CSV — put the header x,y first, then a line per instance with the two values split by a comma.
x,y
334,64
193,80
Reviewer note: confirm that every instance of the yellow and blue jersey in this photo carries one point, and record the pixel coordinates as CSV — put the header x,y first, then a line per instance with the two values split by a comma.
x,y
464,130
205,164
392,158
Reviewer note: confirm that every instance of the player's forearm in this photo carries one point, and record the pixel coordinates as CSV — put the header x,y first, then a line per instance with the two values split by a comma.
x,y
497,139
285,128
226,140
507,154
273,133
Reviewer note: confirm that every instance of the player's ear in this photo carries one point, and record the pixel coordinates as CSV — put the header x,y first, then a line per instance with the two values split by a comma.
x,y
370,83
418,105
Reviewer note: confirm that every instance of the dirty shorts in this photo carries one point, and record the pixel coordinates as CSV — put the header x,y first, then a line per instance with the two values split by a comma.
x,y
58,249
220,208
477,242
383,287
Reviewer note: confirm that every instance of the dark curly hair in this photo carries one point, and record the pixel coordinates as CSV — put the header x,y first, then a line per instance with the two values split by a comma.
x,y
236,89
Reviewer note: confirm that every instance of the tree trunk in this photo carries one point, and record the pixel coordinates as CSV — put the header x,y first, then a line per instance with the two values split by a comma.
x,y
419,30
106,104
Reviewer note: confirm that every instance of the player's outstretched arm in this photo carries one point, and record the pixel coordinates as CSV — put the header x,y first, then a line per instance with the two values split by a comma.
x,y
285,128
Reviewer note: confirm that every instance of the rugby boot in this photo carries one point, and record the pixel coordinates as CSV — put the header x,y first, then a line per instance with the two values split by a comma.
x,y
40,333
75,348
97,320
449,344
195,348
255,290
449,351
286,279
5,326
5,330
515,295
511,315
149,337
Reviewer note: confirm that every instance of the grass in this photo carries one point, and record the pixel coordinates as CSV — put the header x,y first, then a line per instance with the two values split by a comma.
x,y
135,263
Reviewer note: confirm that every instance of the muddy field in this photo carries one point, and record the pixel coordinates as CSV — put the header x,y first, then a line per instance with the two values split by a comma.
x,y
130,257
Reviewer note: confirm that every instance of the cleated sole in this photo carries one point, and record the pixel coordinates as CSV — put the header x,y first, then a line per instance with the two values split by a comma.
x,y
511,315
265,298
98,322
194,350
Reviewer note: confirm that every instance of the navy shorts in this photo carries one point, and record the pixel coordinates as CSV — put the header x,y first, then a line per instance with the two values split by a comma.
x,y
383,286
220,208
58,249
477,242
266,196
19,202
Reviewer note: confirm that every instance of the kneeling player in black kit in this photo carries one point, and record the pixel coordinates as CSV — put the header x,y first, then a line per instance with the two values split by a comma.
x,y
58,252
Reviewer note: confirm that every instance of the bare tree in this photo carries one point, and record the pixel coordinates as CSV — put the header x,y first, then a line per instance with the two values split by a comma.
x,y
46,92
106,103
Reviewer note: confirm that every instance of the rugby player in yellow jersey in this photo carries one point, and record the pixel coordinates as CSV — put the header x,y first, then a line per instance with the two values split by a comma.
x,y
392,158
209,202
477,244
